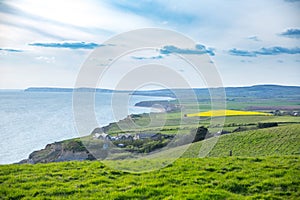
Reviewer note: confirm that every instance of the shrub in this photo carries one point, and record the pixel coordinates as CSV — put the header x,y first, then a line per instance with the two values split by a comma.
x,y
200,134
267,124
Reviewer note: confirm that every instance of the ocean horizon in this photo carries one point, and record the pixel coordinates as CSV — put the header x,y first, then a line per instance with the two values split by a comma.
x,y
31,120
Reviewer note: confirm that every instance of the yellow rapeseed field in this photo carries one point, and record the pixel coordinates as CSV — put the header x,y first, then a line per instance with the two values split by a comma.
x,y
219,113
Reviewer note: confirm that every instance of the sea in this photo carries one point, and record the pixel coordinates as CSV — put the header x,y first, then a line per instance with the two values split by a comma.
x,y
31,120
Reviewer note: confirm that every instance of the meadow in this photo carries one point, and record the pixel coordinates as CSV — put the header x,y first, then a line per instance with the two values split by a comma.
x,y
265,165
198,178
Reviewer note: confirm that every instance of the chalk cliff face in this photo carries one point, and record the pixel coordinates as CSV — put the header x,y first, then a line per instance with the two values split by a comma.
x,y
60,151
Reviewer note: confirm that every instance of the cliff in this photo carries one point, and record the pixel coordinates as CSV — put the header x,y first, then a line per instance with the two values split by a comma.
x,y
60,151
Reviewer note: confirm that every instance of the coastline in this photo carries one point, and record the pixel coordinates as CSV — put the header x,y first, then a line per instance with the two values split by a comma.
x,y
31,120
236,100
74,149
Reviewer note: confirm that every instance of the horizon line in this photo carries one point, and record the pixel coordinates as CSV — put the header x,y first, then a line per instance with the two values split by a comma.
x,y
150,89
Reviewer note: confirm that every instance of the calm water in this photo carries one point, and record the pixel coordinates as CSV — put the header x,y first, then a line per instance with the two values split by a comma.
x,y
30,120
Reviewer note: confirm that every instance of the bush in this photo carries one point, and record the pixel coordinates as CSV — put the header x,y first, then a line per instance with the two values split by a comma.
x,y
74,145
200,134
267,125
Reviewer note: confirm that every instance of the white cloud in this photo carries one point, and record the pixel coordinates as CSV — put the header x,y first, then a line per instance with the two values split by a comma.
x,y
46,59
88,13
222,26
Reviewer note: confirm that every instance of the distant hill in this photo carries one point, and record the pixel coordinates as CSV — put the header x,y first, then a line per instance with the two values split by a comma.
x,y
257,91
48,89
263,91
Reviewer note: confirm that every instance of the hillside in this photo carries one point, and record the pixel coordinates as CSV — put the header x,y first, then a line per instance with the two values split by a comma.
x,y
193,178
277,141
49,89
256,91
282,140
265,165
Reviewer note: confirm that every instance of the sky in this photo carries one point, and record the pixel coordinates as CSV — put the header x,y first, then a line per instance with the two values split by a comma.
x,y
45,43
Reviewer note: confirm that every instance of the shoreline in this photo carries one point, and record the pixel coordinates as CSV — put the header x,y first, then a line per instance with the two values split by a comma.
x,y
46,121
85,155
236,99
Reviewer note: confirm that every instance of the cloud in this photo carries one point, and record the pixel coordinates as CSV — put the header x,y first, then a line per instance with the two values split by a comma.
x,y
46,59
146,58
254,38
199,49
236,52
292,1
280,61
69,45
278,50
291,33
265,51
11,50
246,61
157,11
12,16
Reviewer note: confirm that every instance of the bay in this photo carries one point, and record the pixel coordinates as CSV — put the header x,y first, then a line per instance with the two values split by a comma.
x,y
31,120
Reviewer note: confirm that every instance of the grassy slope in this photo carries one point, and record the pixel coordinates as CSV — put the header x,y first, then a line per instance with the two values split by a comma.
x,y
274,177
282,140
208,178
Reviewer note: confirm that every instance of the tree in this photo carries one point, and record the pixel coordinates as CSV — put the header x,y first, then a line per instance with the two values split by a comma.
x,y
200,134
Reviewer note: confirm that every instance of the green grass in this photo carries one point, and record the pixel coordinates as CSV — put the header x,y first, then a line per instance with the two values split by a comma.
x,y
282,140
245,175
265,164
196,178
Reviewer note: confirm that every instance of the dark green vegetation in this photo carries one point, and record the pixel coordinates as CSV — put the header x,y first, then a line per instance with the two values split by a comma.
x,y
208,178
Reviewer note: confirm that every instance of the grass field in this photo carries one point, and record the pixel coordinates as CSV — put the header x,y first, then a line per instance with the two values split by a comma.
x,y
245,175
276,141
282,140
208,178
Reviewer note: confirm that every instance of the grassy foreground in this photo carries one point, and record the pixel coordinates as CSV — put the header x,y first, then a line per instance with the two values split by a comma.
x,y
193,178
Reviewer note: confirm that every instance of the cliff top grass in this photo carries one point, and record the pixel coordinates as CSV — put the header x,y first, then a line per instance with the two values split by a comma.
x,y
187,178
